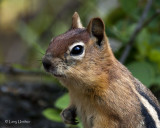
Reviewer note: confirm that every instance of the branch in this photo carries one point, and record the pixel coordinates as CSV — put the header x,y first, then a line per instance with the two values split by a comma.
x,y
151,18
14,71
141,24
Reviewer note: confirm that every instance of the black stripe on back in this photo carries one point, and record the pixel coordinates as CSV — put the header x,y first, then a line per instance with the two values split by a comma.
x,y
151,102
148,120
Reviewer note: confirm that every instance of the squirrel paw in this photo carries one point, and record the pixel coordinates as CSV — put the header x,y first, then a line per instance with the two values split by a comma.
x,y
69,116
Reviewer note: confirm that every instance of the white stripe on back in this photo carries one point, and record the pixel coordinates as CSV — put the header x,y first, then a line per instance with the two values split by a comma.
x,y
151,110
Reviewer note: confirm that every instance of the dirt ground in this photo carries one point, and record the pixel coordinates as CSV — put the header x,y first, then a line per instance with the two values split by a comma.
x,y
24,102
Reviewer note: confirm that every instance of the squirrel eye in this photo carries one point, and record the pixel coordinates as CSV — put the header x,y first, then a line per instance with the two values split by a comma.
x,y
77,50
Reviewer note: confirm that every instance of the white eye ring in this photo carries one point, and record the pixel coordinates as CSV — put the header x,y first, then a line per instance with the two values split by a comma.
x,y
78,57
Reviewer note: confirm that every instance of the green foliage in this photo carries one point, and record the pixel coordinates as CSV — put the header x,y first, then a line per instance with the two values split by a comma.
x,y
154,55
148,46
142,44
114,16
143,71
62,102
157,80
52,114
129,7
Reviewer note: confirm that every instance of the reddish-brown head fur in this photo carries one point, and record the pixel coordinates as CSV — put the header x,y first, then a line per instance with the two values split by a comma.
x,y
59,45
96,51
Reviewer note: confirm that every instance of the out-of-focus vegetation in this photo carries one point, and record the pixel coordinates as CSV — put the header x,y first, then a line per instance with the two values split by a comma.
x,y
27,26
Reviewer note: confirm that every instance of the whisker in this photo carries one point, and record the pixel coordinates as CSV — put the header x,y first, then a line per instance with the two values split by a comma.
x,y
40,51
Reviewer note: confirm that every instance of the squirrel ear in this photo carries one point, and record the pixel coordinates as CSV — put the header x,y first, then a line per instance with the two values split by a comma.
x,y
76,21
96,28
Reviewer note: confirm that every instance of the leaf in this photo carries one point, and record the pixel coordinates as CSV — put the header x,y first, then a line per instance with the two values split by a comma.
x,y
62,102
123,30
157,80
154,55
128,6
142,44
143,49
114,16
80,125
52,114
142,71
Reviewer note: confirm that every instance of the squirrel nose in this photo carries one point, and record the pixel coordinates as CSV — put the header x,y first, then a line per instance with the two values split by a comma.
x,y
46,64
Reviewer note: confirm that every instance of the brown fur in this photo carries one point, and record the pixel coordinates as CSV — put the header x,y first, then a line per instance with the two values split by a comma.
x,y
110,100
59,45
101,89
76,22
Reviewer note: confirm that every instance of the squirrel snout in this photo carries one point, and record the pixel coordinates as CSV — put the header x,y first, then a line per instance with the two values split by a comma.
x,y
46,64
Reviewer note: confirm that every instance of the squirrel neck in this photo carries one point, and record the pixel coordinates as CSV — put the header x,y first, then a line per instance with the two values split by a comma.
x,y
103,84
108,90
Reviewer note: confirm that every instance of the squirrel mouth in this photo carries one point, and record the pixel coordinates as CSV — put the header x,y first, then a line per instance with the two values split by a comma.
x,y
57,74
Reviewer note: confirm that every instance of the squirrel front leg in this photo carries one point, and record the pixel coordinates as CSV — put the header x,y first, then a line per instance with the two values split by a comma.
x,y
69,115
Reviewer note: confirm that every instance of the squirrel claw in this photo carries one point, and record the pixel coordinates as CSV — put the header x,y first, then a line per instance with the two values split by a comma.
x,y
69,116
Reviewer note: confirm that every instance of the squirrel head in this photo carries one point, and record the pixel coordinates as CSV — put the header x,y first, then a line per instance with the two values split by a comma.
x,y
79,54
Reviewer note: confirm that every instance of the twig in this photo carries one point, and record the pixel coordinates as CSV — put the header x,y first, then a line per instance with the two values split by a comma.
x,y
14,71
151,18
138,28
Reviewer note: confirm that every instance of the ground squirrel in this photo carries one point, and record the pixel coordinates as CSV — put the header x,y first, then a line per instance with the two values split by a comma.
x,y
103,93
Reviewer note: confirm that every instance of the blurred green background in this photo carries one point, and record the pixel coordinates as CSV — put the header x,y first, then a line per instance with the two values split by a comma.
x,y
26,28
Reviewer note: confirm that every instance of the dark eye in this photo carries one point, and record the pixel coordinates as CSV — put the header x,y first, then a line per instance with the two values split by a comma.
x,y
77,50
